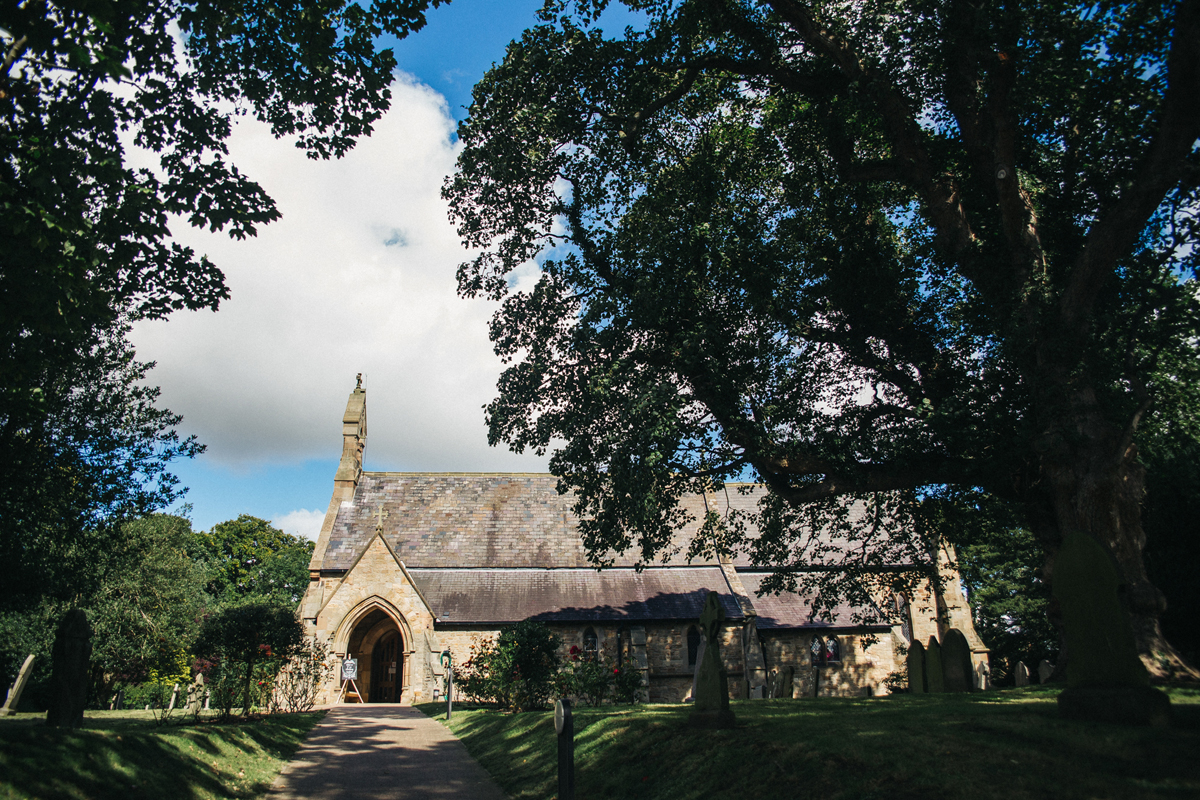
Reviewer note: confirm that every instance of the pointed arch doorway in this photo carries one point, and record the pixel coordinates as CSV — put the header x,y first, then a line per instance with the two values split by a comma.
x,y
378,644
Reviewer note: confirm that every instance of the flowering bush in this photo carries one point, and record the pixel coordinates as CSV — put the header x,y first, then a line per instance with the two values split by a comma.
x,y
517,671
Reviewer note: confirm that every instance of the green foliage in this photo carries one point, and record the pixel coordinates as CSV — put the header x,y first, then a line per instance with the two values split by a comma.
x,y
246,644
847,251
85,245
249,557
294,688
92,454
517,671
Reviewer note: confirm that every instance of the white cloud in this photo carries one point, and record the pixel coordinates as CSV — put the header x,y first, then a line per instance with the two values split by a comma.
x,y
358,276
301,522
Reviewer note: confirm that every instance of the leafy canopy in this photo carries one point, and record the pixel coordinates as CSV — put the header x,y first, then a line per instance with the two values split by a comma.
x,y
114,123
864,250
249,557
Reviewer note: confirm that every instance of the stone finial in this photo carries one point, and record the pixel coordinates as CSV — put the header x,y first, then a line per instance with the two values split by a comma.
x,y
358,385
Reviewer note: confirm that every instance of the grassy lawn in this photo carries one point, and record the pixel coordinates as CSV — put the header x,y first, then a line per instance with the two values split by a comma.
x,y
1005,745
123,754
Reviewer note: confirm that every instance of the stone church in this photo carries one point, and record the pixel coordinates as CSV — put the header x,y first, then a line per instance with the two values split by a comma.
x,y
410,564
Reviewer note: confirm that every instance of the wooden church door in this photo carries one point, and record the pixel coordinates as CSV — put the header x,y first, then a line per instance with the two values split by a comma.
x,y
385,669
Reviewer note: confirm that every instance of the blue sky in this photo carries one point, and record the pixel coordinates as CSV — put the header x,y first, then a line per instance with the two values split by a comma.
x,y
358,276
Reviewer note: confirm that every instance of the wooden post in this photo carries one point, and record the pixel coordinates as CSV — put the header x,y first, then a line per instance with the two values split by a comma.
x,y
564,726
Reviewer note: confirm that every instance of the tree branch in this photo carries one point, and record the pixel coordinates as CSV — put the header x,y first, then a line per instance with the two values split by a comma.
x,y
1116,231
940,194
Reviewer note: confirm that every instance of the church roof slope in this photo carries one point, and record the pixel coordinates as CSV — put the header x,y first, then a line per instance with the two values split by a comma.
x,y
488,596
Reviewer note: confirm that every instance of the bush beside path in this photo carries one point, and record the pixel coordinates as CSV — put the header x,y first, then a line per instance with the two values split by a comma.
x,y
125,755
1005,745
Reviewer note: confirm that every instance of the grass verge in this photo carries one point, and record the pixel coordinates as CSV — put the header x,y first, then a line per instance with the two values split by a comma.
x,y
123,754
1004,745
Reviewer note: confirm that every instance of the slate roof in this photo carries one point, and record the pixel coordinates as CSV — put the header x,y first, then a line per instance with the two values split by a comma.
x,y
794,611
462,596
500,520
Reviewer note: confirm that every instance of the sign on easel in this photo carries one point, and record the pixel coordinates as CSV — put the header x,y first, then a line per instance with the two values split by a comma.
x,y
349,676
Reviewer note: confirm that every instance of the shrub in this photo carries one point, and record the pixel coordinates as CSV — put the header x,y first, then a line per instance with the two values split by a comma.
x,y
517,671
296,685
247,644
627,685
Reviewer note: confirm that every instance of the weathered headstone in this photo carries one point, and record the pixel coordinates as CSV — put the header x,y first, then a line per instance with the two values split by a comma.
x,y
757,693
174,697
18,686
69,663
1045,670
1106,680
934,677
564,728
916,668
712,684
1022,674
957,670
195,696
983,676
691,698
781,683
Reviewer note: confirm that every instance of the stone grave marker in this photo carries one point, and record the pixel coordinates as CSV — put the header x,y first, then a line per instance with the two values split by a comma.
x,y
983,676
1045,670
916,668
69,663
781,684
174,697
195,695
712,684
957,671
1022,674
18,686
935,680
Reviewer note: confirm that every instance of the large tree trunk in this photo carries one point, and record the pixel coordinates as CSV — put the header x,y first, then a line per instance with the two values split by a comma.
x,y
1093,482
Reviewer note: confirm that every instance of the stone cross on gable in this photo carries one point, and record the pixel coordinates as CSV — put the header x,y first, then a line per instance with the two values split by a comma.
x,y
380,515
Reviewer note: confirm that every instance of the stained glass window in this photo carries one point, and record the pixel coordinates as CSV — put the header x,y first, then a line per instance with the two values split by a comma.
x,y
590,644
818,651
833,653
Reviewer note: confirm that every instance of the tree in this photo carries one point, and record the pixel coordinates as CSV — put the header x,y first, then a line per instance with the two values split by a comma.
x,y
143,596
249,557
95,455
84,235
146,614
517,671
865,251
240,636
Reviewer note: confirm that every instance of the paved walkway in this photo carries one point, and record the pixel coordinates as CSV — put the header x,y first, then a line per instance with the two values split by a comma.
x,y
377,751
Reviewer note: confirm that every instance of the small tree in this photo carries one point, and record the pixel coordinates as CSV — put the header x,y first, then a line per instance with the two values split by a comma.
x,y
236,639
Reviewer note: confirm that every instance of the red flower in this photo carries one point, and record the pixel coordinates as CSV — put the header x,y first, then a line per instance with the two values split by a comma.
x,y
616,670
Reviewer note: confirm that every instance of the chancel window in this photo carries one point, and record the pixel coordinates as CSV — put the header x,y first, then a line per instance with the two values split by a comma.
x,y
693,642
590,644
825,650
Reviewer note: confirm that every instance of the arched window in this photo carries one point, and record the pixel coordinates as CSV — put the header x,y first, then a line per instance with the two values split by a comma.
x,y
905,614
590,644
818,651
693,641
833,651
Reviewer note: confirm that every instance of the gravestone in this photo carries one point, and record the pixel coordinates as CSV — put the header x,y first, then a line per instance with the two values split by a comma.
x,y
916,668
69,662
691,698
983,676
195,697
781,684
1045,670
1022,674
14,692
934,677
174,697
957,671
564,729
712,684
